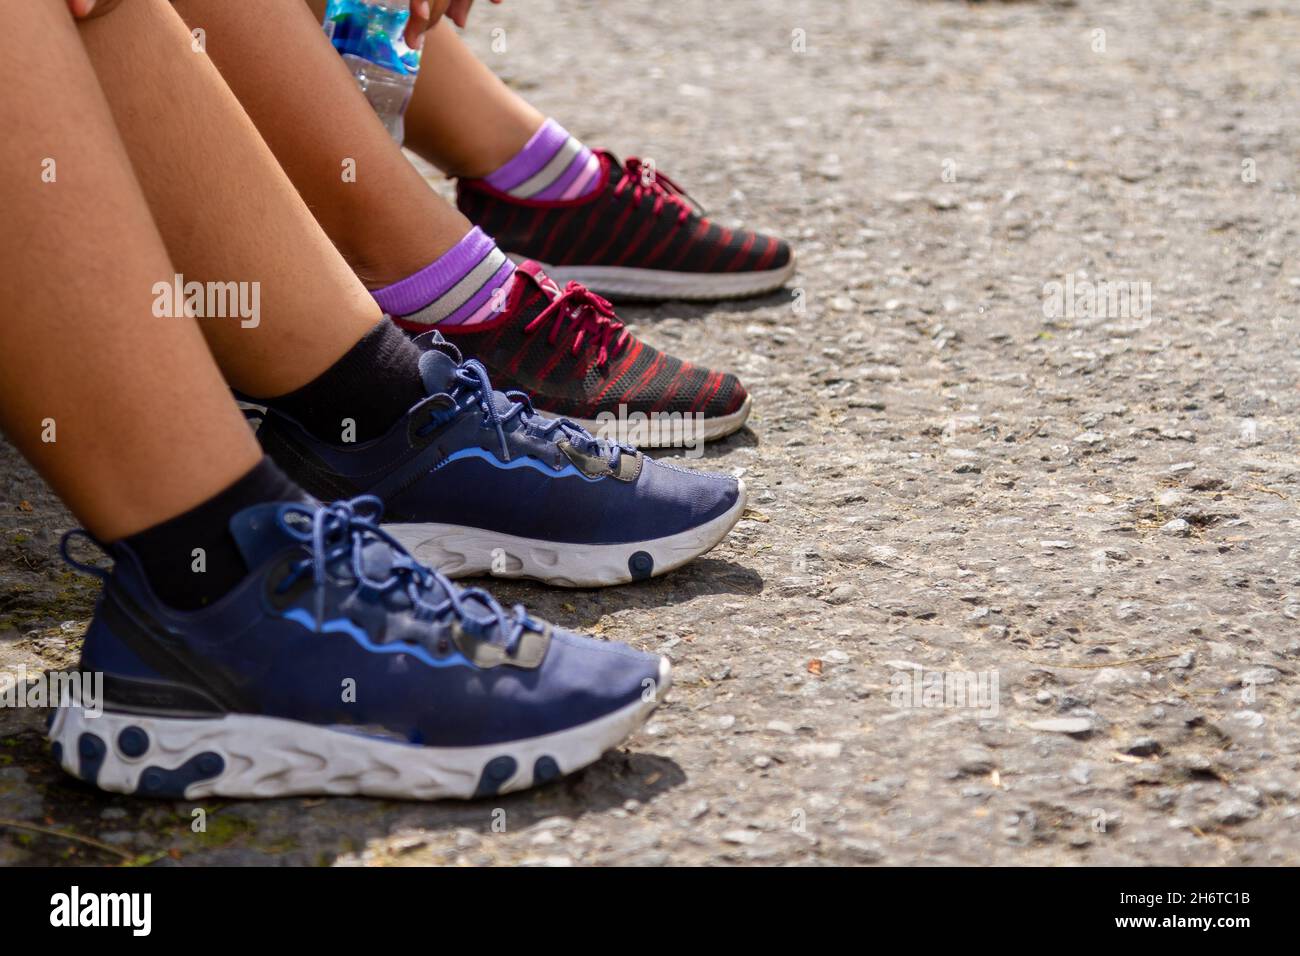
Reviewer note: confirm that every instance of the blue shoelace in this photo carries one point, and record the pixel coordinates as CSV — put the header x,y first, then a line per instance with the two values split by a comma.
x,y
474,386
344,528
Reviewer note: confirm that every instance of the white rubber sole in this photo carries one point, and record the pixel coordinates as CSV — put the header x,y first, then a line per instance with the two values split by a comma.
x,y
240,755
667,430
626,282
460,552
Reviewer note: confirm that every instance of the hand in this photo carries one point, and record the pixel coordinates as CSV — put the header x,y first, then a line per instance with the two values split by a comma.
x,y
424,14
85,9
458,11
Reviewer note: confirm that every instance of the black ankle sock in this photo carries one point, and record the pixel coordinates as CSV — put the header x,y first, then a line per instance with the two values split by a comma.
x,y
167,550
374,384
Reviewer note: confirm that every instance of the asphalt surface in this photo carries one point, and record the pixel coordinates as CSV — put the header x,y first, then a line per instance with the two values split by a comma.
x,y
966,472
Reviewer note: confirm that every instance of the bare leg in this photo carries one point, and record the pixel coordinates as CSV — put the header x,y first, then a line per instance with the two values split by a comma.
x,y
224,207
388,223
462,118
143,424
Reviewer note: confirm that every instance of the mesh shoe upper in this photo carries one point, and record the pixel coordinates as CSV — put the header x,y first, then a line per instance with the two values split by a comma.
x,y
638,217
567,350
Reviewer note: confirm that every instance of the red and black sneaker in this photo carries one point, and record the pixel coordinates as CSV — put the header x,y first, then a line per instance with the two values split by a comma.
x,y
639,236
567,350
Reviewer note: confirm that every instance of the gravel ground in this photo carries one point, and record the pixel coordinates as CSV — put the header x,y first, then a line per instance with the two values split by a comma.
x,y
1086,508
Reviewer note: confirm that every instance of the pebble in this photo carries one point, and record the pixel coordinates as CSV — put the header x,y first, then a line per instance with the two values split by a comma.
x,y
1142,747
1232,811
882,554
864,851
1176,528
818,750
1063,725
975,761
842,594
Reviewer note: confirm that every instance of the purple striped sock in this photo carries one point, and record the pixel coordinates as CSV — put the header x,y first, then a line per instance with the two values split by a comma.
x,y
467,284
552,165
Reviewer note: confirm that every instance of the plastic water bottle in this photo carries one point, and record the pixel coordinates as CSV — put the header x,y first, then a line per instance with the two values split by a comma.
x,y
369,35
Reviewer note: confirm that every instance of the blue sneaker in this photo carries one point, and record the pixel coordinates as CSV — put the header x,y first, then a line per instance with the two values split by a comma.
x,y
475,482
339,666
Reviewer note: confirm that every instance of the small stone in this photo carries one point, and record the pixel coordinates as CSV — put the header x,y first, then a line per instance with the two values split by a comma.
x,y
407,843
1063,725
1233,811
881,554
1177,528
975,762
741,837
864,851
1142,747
120,837
1090,438
842,594
1182,467
780,727
1259,675
820,750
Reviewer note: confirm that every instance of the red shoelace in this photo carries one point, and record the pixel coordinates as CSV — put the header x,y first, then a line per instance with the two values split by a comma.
x,y
589,316
645,180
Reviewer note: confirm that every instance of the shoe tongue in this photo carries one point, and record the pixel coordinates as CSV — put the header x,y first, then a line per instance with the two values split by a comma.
x,y
437,372
533,271
259,534
438,366
438,361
